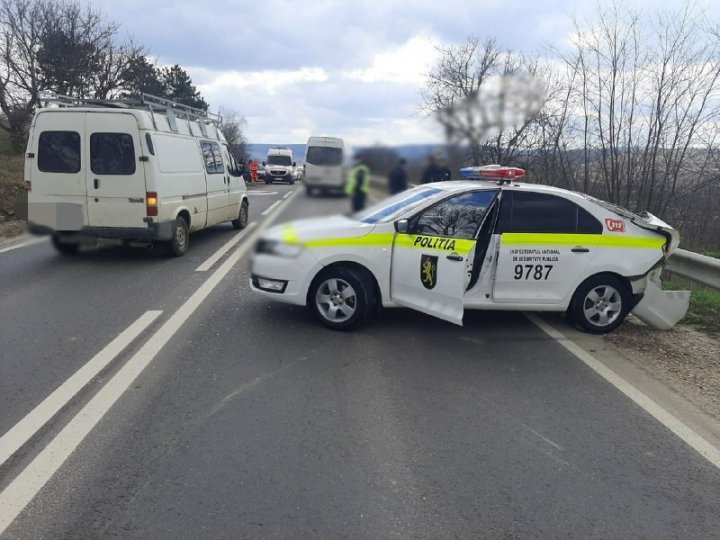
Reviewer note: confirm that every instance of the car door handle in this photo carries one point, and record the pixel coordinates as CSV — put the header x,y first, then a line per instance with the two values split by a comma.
x,y
96,183
455,257
580,250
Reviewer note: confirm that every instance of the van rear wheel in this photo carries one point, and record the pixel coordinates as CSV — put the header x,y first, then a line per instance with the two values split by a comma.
x,y
180,241
242,220
66,248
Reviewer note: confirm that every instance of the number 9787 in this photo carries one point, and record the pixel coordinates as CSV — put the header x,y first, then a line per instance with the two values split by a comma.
x,y
533,271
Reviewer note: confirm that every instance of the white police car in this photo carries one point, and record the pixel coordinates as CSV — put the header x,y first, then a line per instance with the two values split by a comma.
x,y
495,245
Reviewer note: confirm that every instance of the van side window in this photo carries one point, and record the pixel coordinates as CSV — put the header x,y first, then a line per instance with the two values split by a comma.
x,y
212,157
59,152
230,158
527,212
112,153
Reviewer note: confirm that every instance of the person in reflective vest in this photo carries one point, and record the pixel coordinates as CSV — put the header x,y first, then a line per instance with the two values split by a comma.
x,y
358,185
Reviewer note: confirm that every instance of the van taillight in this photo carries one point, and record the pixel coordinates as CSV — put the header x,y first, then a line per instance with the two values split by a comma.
x,y
152,203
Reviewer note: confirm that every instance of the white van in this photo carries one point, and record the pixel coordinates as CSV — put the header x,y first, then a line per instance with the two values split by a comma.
x,y
141,172
324,170
280,166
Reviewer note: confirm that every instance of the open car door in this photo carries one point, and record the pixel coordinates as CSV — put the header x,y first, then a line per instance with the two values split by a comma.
x,y
430,255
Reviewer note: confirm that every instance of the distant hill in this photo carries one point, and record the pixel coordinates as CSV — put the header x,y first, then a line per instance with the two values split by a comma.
x,y
411,152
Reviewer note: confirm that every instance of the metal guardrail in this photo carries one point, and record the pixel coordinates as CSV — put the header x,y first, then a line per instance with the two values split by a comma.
x,y
695,267
686,264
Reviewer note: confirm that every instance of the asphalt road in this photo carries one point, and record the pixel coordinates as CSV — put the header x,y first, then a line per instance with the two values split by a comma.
x,y
254,421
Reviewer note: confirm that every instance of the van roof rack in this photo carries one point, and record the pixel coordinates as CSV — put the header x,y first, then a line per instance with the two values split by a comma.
x,y
154,104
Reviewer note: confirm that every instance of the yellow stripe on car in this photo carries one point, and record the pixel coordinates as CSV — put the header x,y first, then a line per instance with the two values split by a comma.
x,y
435,243
598,240
432,243
367,240
290,235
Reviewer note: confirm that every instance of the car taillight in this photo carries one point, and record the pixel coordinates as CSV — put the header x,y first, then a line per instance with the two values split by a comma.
x,y
151,200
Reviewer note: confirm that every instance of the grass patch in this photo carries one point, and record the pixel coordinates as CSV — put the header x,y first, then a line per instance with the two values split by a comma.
x,y
5,143
704,311
715,254
11,184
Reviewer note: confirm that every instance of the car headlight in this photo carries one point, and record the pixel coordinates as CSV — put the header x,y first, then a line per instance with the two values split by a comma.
x,y
276,247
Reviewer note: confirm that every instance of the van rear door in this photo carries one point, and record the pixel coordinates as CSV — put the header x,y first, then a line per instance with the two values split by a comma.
x,y
115,178
55,167
323,166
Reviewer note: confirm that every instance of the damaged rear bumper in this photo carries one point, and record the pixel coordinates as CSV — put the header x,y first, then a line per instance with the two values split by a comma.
x,y
661,309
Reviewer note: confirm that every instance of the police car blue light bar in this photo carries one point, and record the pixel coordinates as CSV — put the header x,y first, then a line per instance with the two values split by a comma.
x,y
492,172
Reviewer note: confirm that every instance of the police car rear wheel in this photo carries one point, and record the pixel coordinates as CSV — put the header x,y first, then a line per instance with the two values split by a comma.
x,y
600,304
339,298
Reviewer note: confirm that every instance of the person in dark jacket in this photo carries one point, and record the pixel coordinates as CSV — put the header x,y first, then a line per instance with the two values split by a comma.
x,y
445,172
397,179
432,172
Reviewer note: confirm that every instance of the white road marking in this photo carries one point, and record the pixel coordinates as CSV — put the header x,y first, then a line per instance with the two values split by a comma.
x,y
262,192
21,432
215,257
25,244
270,208
287,194
16,496
670,421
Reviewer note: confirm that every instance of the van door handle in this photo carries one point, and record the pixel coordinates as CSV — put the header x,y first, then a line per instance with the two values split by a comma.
x,y
580,250
455,257
96,183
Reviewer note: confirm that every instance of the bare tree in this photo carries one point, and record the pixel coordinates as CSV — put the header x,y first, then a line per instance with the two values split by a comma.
x,y
485,98
60,46
233,127
646,90
21,32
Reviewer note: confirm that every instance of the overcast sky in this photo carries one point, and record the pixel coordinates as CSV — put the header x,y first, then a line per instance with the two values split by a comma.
x,y
351,68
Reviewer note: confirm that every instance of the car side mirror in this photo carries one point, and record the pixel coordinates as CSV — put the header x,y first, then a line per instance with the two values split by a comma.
x,y
402,226
294,164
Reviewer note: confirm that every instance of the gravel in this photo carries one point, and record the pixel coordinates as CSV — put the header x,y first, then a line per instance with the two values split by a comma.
x,y
686,360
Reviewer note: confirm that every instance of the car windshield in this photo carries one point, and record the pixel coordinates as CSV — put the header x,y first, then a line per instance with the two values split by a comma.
x,y
322,155
392,206
286,161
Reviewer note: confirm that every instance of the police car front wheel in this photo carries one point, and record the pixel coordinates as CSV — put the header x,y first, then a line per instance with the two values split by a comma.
x,y
600,304
340,297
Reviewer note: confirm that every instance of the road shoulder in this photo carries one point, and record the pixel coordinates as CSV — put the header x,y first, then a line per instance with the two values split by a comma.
x,y
684,359
657,384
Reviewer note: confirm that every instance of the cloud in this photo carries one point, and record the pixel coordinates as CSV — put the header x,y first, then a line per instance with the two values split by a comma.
x,y
290,106
405,64
343,67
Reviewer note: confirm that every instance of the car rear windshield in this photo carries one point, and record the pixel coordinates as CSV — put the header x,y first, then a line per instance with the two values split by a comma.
x,y
324,156
285,161
59,152
392,206
619,210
